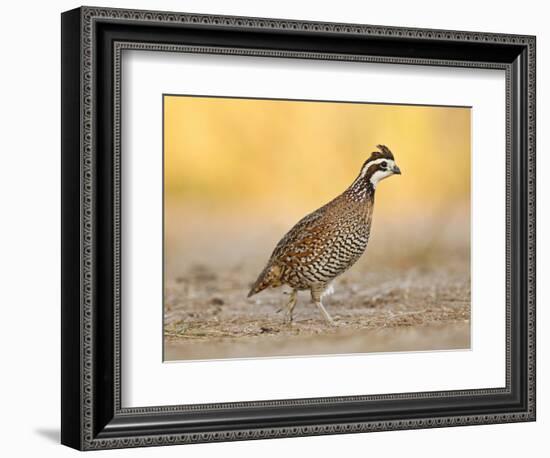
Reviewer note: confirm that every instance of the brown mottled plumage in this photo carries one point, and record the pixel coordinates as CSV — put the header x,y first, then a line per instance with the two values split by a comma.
x,y
327,242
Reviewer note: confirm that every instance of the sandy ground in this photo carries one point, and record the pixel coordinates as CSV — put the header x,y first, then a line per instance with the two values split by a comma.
x,y
409,292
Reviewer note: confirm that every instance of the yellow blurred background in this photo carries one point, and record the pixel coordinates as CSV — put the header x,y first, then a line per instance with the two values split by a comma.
x,y
279,155
240,173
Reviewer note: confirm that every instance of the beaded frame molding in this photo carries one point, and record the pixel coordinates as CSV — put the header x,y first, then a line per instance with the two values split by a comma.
x,y
92,43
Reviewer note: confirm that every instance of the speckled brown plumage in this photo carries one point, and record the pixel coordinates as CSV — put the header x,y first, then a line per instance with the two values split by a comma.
x,y
327,242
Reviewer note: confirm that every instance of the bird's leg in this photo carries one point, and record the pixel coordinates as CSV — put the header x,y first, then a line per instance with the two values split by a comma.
x,y
290,305
323,310
316,295
280,309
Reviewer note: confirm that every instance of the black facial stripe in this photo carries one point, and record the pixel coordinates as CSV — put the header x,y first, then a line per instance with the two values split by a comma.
x,y
372,169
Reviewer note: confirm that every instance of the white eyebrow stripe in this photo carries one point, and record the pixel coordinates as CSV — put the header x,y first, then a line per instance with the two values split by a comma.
x,y
376,161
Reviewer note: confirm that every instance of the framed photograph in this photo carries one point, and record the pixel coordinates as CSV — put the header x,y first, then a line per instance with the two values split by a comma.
x,y
276,228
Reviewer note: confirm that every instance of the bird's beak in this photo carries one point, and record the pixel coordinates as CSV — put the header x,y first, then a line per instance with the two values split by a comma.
x,y
396,170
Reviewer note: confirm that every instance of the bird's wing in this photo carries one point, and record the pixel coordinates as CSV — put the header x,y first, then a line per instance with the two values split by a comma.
x,y
293,248
299,241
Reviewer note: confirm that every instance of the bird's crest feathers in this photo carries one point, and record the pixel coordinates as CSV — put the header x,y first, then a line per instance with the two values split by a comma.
x,y
384,153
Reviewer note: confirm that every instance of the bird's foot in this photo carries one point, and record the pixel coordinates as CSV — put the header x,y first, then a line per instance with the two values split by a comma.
x,y
325,314
290,307
331,322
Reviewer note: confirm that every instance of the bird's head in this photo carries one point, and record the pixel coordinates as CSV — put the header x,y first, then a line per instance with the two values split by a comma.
x,y
381,164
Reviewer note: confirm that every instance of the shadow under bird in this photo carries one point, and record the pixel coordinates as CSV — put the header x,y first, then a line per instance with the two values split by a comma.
x,y
327,242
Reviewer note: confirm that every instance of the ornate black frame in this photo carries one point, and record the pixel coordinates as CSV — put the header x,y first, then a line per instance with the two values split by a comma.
x,y
92,42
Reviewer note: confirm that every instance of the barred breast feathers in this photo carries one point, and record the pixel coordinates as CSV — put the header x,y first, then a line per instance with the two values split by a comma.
x,y
311,241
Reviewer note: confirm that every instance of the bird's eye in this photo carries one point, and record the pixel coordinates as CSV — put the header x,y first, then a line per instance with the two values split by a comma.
x,y
384,164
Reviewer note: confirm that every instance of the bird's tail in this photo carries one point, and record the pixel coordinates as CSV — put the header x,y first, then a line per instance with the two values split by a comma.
x,y
270,276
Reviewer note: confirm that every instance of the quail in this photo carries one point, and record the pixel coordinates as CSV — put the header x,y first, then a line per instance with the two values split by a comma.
x,y
328,241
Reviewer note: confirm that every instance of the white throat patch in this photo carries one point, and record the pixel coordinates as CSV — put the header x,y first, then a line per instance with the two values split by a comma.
x,y
379,175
